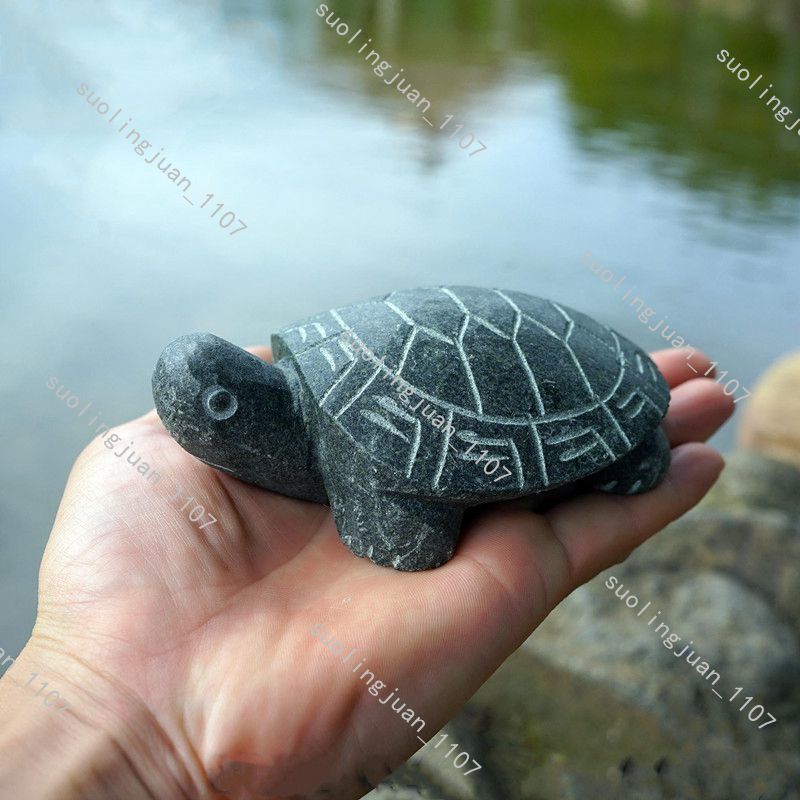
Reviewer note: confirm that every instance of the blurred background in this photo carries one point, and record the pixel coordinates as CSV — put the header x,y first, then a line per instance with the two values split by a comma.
x,y
610,127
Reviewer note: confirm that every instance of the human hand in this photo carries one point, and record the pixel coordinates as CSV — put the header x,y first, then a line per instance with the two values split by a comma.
x,y
197,642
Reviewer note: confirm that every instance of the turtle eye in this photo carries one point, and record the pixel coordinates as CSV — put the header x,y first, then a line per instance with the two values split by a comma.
x,y
219,403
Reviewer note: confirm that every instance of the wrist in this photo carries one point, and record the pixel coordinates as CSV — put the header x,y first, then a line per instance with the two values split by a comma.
x,y
67,733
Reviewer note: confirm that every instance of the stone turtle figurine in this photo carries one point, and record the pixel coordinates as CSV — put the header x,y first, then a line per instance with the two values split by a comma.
x,y
404,410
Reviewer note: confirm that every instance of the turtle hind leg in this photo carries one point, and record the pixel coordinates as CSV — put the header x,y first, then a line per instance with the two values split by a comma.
x,y
639,471
395,530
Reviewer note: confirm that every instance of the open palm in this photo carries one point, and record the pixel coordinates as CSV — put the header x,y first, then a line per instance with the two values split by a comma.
x,y
209,630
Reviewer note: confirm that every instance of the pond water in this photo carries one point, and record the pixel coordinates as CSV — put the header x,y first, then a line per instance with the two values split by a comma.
x,y
609,128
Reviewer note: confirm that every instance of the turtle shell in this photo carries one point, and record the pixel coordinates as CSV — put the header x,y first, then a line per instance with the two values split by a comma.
x,y
460,391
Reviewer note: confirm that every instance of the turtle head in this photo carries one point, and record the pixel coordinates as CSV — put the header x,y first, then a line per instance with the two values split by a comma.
x,y
236,413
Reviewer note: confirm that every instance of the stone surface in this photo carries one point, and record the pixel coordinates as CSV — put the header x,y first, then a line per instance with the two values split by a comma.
x,y
729,627
547,733
771,423
236,413
751,480
430,772
761,549
403,411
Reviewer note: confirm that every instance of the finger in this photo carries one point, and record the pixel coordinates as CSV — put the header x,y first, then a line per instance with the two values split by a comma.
x,y
697,409
260,350
682,365
599,530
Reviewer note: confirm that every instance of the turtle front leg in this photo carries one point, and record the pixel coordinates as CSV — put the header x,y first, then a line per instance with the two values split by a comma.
x,y
639,471
394,530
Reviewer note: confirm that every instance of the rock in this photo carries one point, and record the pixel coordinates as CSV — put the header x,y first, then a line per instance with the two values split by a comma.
x,y
701,634
738,631
761,549
484,383
410,782
431,773
550,734
771,422
548,729
754,481
396,792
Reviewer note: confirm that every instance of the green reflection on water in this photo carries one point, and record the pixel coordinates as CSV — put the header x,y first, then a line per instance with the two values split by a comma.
x,y
655,77
645,72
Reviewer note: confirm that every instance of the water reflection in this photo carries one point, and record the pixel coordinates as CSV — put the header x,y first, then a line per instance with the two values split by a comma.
x,y
638,76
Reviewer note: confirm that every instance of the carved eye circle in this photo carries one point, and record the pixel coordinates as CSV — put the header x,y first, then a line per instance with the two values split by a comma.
x,y
219,403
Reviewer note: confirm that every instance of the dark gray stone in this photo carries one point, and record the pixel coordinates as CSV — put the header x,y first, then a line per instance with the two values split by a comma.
x,y
403,411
